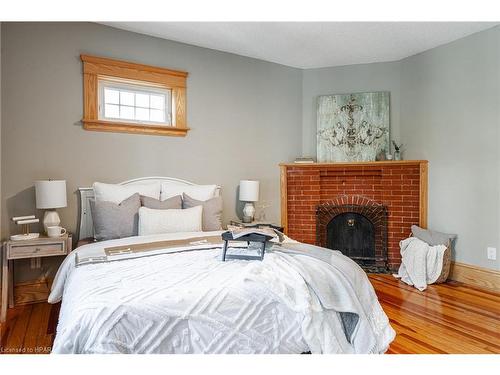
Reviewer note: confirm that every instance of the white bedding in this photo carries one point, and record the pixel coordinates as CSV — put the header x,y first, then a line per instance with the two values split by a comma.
x,y
191,302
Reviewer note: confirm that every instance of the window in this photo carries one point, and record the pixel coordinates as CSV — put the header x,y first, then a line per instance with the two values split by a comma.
x,y
134,103
133,98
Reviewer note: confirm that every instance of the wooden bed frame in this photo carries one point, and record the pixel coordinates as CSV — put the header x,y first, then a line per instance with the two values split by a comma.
x,y
85,224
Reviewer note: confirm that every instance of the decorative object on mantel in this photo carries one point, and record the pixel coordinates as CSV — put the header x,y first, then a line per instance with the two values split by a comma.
x,y
352,127
397,150
381,156
25,221
389,156
249,193
304,160
50,194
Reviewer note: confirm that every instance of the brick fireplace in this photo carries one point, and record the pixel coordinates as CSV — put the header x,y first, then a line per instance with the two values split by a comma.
x,y
389,196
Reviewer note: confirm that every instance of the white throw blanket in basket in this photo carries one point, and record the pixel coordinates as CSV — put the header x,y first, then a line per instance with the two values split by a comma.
x,y
421,264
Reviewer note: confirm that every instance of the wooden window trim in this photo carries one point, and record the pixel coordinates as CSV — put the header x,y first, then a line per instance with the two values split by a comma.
x,y
95,68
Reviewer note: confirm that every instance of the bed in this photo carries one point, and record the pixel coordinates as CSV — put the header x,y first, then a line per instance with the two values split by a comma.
x,y
184,299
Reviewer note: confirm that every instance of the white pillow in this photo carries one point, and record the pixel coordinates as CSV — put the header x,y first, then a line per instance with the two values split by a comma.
x,y
199,192
118,193
169,221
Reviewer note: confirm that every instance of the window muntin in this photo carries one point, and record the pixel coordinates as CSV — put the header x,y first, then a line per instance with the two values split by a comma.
x,y
135,103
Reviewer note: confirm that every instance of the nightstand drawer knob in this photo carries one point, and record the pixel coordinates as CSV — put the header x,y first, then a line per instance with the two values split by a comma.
x,y
37,250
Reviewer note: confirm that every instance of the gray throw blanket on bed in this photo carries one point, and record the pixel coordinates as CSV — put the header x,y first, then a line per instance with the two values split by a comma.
x,y
364,328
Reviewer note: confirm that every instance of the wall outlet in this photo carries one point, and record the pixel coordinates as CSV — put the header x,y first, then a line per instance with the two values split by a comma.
x,y
492,253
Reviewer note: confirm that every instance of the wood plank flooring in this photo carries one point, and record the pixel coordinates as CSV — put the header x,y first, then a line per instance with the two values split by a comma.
x,y
446,318
29,329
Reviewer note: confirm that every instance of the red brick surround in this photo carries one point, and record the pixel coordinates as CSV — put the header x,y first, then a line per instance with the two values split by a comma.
x,y
400,186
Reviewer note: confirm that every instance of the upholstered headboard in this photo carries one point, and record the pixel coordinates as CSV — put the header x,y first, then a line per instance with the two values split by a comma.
x,y
85,225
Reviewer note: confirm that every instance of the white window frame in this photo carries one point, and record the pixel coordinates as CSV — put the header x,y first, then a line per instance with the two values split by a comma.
x,y
135,88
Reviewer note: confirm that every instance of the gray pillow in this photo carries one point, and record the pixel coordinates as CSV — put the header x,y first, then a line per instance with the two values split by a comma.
x,y
212,211
432,237
113,220
167,204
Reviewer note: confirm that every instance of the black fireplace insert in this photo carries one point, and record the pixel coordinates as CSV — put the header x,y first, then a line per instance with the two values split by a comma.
x,y
358,231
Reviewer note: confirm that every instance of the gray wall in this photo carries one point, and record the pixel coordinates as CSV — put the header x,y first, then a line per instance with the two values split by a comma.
x,y
346,80
444,108
245,116
450,98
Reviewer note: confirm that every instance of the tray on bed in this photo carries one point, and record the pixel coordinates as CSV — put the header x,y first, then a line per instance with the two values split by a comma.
x,y
249,236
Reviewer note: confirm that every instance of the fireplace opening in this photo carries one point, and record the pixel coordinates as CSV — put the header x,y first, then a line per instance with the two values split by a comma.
x,y
353,234
359,231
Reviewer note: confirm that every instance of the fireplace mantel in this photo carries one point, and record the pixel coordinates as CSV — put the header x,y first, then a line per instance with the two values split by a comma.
x,y
356,164
399,185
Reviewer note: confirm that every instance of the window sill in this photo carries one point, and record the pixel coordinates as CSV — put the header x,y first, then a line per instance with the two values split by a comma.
x,y
124,127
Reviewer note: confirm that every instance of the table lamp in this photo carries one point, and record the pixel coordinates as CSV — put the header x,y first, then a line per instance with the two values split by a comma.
x,y
249,193
50,194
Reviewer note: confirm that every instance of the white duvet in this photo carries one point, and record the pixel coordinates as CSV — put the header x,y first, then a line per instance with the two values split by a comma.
x,y
300,298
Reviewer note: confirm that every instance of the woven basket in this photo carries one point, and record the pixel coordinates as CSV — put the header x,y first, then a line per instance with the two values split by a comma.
x,y
445,271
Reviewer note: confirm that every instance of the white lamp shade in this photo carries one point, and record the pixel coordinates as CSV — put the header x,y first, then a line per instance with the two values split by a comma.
x,y
50,194
249,191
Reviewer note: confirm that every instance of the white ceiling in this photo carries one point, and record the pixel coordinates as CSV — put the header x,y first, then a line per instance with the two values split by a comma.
x,y
312,44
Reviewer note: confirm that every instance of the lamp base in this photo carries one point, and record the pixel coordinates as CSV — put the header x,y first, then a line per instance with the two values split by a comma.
x,y
50,219
248,212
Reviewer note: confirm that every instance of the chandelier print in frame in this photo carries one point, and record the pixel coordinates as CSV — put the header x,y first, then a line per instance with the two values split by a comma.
x,y
353,127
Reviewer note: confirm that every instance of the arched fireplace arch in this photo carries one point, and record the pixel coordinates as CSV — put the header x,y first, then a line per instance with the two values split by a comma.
x,y
356,226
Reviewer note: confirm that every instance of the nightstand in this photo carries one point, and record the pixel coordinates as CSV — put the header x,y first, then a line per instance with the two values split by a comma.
x,y
256,224
37,248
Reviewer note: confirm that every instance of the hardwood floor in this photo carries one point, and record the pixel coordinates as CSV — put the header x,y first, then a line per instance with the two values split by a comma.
x,y
446,318
29,329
